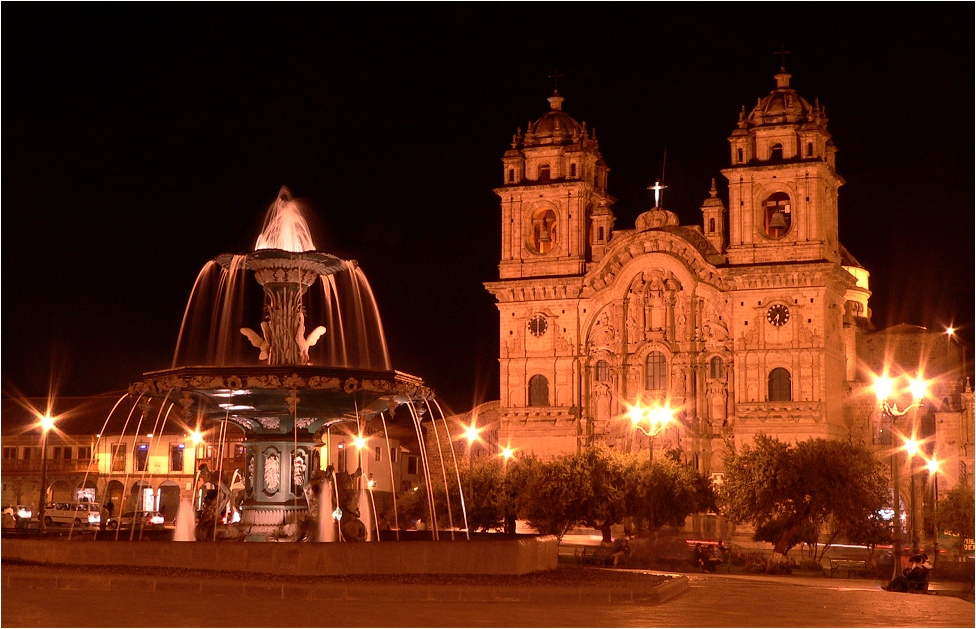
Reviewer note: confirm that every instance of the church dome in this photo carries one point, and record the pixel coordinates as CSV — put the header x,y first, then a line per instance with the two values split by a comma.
x,y
782,106
555,127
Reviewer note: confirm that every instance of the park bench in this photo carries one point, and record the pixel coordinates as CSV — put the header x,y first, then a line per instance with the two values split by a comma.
x,y
726,559
852,566
601,555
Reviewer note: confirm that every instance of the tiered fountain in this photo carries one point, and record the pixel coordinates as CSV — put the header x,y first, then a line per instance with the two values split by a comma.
x,y
286,404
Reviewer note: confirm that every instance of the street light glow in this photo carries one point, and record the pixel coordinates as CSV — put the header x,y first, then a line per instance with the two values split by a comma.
x,y
507,453
883,386
471,433
933,466
47,423
196,437
919,388
359,442
911,447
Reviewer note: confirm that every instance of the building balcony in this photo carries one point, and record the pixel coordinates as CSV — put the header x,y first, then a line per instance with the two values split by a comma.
x,y
54,466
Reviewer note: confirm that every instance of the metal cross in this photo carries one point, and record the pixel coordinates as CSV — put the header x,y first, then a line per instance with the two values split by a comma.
x,y
555,79
657,188
782,55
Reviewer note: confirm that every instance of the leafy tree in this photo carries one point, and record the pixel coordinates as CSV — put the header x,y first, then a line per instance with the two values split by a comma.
x,y
781,489
558,494
957,513
483,486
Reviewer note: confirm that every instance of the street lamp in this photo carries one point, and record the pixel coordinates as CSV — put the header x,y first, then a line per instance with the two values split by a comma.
x,y
656,418
883,388
47,423
933,466
471,434
911,448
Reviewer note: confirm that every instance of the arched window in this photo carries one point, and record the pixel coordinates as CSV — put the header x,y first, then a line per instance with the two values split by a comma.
x,y
656,370
716,369
572,170
777,215
602,371
776,153
538,391
544,173
711,225
739,155
780,385
511,175
544,231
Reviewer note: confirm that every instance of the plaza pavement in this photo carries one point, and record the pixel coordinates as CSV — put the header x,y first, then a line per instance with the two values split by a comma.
x,y
48,598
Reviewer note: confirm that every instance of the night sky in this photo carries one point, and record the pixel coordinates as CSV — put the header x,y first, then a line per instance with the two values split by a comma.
x,y
141,141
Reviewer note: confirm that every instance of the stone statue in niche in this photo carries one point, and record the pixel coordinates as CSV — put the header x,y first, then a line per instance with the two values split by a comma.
x,y
604,334
601,400
717,396
272,472
679,382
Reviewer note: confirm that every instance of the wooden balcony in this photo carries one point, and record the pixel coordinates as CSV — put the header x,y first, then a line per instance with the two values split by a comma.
x,y
54,466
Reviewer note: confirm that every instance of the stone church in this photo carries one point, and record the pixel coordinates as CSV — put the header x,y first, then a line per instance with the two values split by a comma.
x,y
749,322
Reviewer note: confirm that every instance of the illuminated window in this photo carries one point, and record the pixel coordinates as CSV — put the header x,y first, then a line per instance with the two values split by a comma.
x,y
118,457
142,457
777,215
176,458
602,371
716,368
780,385
538,391
656,369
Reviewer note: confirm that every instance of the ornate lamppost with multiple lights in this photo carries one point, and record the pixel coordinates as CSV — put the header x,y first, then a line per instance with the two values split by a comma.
x,y
656,417
47,423
883,388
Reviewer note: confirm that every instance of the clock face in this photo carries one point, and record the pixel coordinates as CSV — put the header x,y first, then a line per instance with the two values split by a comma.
x,y
538,325
778,314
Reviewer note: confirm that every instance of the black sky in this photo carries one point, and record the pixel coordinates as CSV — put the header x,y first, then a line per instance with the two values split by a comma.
x,y
141,141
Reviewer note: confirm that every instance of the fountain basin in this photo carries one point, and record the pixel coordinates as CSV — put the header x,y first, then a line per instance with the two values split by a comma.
x,y
506,555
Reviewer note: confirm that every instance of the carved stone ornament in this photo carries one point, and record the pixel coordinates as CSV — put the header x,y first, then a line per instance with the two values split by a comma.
x,y
269,423
300,465
272,472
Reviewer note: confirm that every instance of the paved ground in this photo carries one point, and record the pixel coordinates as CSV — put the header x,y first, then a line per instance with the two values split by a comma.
x,y
708,600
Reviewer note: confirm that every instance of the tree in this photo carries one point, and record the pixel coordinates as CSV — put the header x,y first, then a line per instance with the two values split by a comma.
x,y
957,513
664,492
781,488
483,487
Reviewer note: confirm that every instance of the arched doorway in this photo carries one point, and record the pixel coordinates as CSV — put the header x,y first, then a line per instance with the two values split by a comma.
x,y
87,491
60,491
168,500
112,498
141,497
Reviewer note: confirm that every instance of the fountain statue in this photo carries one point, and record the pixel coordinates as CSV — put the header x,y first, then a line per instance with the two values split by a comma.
x,y
296,395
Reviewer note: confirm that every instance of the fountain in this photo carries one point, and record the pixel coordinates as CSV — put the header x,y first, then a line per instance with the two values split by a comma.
x,y
293,404
303,401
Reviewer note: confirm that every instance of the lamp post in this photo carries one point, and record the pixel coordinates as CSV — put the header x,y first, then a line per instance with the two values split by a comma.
x,y
656,417
911,448
47,423
933,466
471,434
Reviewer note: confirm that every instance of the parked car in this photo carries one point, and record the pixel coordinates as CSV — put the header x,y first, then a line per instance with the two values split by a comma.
x,y
19,511
86,514
142,520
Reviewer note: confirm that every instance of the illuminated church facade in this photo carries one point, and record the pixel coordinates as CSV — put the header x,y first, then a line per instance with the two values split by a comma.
x,y
756,320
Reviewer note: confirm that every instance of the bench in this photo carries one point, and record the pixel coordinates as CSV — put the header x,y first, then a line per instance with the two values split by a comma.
x,y
601,555
724,562
852,566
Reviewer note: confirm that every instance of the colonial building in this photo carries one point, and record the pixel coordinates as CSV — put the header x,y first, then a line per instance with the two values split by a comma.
x,y
756,320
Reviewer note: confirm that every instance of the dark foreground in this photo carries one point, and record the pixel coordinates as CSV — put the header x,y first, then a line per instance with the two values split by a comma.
x,y
569,597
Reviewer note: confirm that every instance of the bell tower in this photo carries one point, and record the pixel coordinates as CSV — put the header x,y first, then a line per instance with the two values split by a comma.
x,y
556,213
782,182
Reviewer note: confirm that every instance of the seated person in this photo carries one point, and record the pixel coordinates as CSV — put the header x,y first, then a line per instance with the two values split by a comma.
x,y
913,578
698,557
